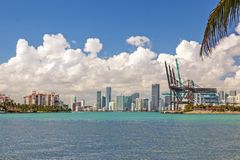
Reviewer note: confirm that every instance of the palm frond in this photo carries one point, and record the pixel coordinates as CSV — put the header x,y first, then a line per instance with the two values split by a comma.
x,y
221,19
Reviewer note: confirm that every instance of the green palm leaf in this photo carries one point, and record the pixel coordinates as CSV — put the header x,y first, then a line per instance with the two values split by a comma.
x,y
221,19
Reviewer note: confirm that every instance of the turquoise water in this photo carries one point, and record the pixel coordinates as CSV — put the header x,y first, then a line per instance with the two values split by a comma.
x,y
118,135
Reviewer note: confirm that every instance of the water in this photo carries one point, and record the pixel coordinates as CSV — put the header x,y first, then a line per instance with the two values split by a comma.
x,y
107,136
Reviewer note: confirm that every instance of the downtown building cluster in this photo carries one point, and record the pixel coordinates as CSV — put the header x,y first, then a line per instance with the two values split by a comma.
x,y
133,102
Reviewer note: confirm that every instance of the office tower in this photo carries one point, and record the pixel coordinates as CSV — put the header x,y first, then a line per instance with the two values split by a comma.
x,y
133,107
144,104
221,95
108,96
98,104
82,103
103,102
134,96
155,97
233,93
120,103
112,106
127,103
167,102
149,105
161,105
138,104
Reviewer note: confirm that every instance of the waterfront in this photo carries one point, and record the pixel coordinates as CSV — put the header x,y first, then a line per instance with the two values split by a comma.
x,y
118,135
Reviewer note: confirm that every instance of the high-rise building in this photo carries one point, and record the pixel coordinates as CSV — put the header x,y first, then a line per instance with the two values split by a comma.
x,y
127,103
120,103
232,93
133,107
134,96
167,102
222,97
138,104
112,106
155,97
74,104
42,99
149,105
98,104
82,103
103,102
108,96
144,104
4,98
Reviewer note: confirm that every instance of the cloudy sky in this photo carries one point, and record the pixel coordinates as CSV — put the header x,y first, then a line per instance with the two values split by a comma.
x,y
78,53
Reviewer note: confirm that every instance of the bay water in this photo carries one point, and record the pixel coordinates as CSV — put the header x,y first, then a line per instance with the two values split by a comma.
x,y
118,135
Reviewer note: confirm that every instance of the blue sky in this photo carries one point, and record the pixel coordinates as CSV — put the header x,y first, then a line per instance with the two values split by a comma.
x,y
165,22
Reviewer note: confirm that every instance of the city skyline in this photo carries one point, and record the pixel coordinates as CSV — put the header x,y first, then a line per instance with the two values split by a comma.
x,y
58,62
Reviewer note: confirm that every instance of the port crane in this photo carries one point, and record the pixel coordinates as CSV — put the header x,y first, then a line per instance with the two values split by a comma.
x,y
183,92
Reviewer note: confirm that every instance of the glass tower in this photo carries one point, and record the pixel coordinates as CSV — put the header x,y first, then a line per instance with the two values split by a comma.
x,y
108,96
155,97
98,99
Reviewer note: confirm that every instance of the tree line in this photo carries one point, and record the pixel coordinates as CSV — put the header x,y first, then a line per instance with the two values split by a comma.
x,y
214,108
12,107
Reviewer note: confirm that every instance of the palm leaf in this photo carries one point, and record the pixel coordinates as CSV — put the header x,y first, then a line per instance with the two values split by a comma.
x,y
221,19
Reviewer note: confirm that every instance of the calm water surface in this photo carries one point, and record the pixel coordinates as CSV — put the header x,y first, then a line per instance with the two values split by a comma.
x,y
107,136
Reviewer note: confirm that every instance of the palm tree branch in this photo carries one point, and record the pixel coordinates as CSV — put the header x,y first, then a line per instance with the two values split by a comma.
x,y
223,17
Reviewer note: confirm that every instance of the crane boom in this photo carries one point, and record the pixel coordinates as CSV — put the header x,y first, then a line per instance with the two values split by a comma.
x,y
178,72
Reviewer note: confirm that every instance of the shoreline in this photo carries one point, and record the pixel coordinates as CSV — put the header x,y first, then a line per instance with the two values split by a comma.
x,y
163,112
212,112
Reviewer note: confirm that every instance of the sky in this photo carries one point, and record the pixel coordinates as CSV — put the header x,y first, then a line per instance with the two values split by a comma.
x,y
112,21
79,47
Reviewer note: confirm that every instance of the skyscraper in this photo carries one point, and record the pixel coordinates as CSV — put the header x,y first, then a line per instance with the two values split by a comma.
x,y
233,93
98,105
127,103
155,97
120,103
103,102
112,106
167,102
138,104
108,96
222,97
134,96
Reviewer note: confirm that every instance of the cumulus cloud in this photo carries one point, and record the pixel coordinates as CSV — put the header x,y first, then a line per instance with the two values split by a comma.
x,y
55,66
93,46
138,41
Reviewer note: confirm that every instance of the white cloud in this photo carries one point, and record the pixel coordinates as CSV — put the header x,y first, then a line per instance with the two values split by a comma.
x,y
55,66
138,41
94,46
238,29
